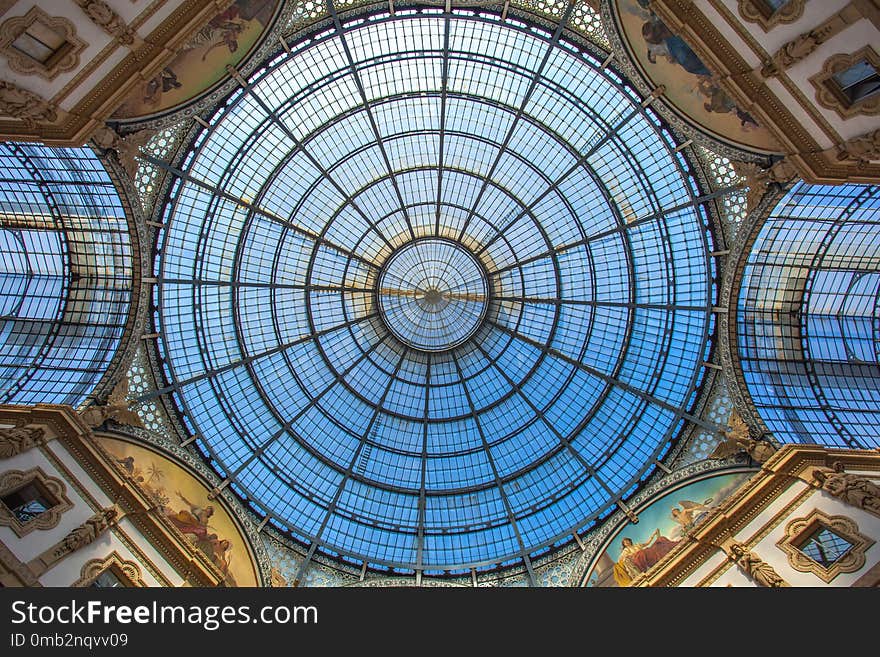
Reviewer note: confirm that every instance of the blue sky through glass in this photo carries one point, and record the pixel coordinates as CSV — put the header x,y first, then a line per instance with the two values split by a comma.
x,y
551,175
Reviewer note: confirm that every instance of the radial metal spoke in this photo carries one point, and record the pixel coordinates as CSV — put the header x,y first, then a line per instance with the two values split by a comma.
x,y
680,412
183,175
356,75
210,374
499,484
536,77
316,539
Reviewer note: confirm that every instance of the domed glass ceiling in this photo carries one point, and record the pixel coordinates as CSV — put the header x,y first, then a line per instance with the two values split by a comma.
x,y
434,291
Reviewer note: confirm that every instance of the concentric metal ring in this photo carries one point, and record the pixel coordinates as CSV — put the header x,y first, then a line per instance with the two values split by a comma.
x,y
433,294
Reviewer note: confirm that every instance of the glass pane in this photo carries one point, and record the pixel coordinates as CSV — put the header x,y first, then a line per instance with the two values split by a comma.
x,y
825,547
107,579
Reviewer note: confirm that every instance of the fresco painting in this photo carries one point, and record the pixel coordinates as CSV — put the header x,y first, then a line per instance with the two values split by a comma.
x,y
184,501
635,548
668,60
201,63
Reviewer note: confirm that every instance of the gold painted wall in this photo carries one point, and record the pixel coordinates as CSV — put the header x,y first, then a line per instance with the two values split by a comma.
x,y
184,501
666,59
226,39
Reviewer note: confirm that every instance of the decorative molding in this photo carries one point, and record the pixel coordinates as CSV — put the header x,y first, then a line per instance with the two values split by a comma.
x,y
829,96
800,529
12,480
806,44
20,439
78,537
103,15
246,521
65,58
761,572
854,489
757,11
763,532
596,543
24,105
749,89
124,538
105,95
130,497
126,149
116,408
743,516
861,149
128,571
14,572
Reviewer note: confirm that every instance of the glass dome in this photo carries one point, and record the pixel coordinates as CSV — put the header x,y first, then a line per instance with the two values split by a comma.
x,y
434,291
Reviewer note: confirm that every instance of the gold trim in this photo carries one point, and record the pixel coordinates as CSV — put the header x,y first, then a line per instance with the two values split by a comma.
x,y
63,59
127,571
12,480
117,530
138,507
141,63
756,11
788,466
799,530
747,88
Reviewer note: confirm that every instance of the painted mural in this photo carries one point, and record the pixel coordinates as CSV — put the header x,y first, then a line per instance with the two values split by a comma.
x,y
667,59
635,548
184,501
201,63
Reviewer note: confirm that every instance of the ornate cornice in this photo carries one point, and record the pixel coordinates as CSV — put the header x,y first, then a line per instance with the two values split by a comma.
x,y
748,88
73,127
789,466
128,495
246,521
292,27
596,543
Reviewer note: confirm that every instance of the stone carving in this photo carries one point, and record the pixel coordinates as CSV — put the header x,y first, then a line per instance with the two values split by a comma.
x,y
738,440
796,50
126,148
102,15
117,408
853,489
22,104
19,439
861,149
56,500
805,44
755,567
86,533
94,567
797,531
758,179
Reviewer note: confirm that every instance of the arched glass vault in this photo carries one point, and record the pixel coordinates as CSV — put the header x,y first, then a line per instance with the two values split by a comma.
x,y
809,317
65,273
434,291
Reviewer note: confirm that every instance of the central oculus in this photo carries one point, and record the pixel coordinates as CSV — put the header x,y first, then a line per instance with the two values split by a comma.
x,y
433,294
